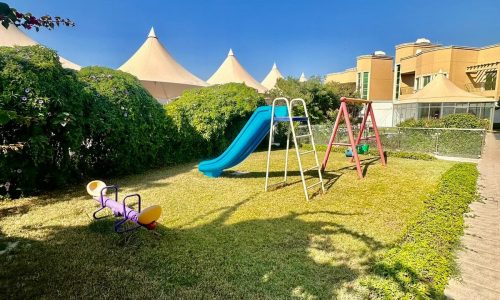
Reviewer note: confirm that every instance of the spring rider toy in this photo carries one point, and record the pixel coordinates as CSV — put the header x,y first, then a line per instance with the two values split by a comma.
x,y
143,218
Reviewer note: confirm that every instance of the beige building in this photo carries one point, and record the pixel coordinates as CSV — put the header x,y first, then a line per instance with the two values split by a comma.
x,y
372,76
471,72
471,69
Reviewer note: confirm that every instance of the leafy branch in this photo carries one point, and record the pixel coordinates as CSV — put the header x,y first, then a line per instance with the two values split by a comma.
x,y
10,16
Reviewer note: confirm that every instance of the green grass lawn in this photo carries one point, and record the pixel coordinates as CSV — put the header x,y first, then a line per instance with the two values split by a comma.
x,y
218,238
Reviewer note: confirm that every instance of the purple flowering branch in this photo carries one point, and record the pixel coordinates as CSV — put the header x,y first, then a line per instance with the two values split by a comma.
x,y
10,16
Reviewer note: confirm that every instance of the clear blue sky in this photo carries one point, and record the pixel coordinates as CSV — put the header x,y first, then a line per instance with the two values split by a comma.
x,y
316,37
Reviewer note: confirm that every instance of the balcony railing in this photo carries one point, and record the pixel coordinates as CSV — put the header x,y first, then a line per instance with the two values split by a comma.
x,y
407,90
479,88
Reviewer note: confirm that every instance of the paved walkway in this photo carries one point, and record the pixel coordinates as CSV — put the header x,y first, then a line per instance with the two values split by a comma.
x,y
479,261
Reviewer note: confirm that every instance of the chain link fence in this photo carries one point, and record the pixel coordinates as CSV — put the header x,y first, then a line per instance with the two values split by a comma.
x,y
455,142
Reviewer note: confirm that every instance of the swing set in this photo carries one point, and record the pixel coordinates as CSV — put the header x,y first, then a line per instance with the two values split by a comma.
x,y
355,147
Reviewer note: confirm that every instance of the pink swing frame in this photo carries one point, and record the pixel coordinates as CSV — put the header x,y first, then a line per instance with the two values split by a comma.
x,y
343,112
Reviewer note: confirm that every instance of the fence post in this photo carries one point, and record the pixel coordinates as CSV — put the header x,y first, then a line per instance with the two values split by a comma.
x,y
437,142
399,138
483,137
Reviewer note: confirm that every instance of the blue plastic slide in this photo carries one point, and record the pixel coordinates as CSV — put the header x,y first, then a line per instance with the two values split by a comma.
x,y
245,143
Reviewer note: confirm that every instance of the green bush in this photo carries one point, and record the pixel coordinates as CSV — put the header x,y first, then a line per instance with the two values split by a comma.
x,y
207,120
58,126
449,121
126,128
40,107
322,99
463,121
420,265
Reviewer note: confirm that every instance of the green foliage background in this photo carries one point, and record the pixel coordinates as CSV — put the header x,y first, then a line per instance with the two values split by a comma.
x,y
41,106
99,122
322,99
126,129
207,120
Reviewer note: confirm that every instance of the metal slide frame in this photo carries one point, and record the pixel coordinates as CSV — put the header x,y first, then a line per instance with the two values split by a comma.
x,y
291,119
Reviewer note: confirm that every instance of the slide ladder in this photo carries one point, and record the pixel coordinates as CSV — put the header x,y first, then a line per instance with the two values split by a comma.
x,y
291,129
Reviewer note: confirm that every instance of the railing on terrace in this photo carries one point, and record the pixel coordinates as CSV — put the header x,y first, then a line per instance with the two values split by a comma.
x,y
407,90
480,88
456,142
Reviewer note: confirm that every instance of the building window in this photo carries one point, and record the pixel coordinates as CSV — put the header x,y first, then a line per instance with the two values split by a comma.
x,y
461,108
490,80
423,111
404,112
426,80
398,79
435,111
358,83
417,84
448,109
364,86
477,109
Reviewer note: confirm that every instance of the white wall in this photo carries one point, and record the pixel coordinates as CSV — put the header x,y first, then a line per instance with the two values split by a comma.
x,y
383,111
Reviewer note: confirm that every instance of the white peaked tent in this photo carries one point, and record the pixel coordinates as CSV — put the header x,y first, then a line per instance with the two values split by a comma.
x,y
13,36
303,77
270,81
232,71
158,71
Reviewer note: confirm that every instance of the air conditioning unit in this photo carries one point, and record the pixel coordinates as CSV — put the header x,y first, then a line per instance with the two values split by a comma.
x,y
422,41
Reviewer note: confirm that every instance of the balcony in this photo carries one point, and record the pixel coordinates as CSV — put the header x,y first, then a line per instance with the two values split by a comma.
x,y
407,90
480,89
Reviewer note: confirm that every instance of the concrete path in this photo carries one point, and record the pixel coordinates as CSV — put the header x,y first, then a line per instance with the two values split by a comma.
x,y
479,261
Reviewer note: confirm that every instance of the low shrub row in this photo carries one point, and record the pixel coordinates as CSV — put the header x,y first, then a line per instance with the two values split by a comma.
x,y
58,126
450,121
420,266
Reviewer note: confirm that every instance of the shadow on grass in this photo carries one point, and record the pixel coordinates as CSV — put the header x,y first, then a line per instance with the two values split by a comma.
x,y
270,258
330,176
136,182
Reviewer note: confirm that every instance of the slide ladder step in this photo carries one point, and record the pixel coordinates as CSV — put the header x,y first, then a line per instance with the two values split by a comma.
x,y
305,152
294,119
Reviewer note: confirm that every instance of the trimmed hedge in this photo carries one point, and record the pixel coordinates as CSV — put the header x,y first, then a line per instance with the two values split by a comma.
x,y
41,107
450,121
421,264
126,128
207,120
69,126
